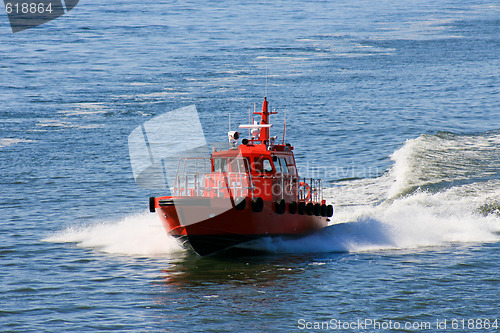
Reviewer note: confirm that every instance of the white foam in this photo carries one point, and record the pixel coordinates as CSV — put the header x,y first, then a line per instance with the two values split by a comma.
x,y
443,157
11,141
396,210
86,109
138,235
56,124
417,221
402,166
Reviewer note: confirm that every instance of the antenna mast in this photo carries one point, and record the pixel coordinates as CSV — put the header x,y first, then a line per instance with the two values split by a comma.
x,y
284,127
250,121
266,80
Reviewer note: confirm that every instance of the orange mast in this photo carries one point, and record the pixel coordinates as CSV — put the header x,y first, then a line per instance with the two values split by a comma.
x,y
264,132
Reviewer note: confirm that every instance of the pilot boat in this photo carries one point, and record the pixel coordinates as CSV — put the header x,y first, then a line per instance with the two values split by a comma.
x,y
249,191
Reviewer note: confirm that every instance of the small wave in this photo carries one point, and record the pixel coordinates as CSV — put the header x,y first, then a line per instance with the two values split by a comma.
x,y
136,235
444,158
11,141
60,125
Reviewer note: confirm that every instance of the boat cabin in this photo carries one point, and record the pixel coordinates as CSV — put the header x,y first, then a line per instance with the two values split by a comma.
x,y
255,168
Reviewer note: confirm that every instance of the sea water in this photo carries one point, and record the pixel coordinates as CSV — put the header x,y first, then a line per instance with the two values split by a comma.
x,y
395,105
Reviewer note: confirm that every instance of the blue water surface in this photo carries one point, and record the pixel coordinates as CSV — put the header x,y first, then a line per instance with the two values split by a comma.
x,y
78,250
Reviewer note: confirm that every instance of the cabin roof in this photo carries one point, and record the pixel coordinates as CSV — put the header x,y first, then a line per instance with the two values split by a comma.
x,y
254,150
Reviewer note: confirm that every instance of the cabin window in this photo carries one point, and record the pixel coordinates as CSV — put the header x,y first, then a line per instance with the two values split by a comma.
x,y
284,168
220,164
267,167
239,165
262,165
277,165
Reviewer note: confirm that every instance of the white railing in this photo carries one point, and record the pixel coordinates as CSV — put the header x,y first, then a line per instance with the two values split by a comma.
x,y
195,178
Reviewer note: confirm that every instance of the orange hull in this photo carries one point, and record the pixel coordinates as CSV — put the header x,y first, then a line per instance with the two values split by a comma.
x,y
202,224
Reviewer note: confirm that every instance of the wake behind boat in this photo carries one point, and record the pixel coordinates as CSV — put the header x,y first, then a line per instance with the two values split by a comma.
x,y
250,191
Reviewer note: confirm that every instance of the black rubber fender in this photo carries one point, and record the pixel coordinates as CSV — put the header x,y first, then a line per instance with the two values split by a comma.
x,y
329,210
317,209
280,206
152,204
302,208
292,207
257,204
323,210
310,208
